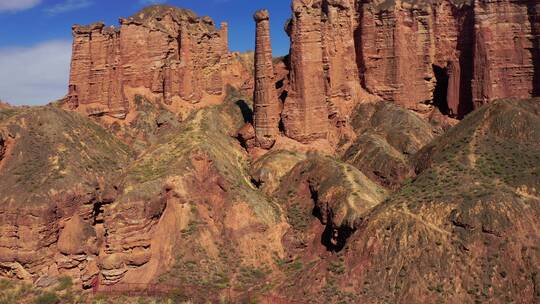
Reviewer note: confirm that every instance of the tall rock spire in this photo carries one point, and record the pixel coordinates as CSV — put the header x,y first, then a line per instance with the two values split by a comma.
x,y
305,113
266,105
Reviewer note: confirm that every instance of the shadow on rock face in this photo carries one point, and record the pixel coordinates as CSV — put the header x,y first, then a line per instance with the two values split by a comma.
x,y
247,112
2,147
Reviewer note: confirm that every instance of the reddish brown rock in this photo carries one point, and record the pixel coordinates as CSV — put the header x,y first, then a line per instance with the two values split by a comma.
x,y
506,49
4,105
161,51
266,107
414,54
343,87
535,20
421,55
246,135
305,113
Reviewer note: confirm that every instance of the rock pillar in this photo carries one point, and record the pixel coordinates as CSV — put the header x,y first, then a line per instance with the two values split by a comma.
x,y
305,114
266,105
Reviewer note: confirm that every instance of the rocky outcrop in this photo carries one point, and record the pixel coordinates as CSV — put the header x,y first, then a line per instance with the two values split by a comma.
x,y
57,170
386,136
342,80
506,50
305,113
534,15
187,201
266,107
463,230
163,52
452,55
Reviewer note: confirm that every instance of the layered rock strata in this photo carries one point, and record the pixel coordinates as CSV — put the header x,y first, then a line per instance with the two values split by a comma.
x,y
506,50
305,114
266,107
453,55
165,51
57,171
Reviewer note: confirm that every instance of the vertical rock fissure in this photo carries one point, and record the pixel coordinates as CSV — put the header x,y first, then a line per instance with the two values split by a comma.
x,y
466,64
358,45
2,148
440,93
97,213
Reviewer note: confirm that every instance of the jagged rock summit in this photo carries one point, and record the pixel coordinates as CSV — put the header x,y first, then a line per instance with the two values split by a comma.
x,y
428,56
162,52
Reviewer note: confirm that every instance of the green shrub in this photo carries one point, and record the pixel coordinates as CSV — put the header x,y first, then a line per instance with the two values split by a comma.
x,y
64,283
47,298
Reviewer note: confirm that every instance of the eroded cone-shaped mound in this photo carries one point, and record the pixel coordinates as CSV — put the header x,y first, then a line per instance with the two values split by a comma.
x,y
188,206
322,193
387,136
464,230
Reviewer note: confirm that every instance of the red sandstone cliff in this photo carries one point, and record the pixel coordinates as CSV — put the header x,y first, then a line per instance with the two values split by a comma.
x,y
161,52
453,55
305,114
506,49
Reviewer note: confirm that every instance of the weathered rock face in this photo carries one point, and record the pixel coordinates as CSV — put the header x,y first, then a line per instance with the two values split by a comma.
x,y
56,170
416,54
534,11
463,230
188,202
305,113
342,81
266,107
506,50
165,52
448,54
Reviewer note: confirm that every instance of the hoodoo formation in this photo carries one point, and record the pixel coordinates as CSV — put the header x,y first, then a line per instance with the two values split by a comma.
x,y
266,107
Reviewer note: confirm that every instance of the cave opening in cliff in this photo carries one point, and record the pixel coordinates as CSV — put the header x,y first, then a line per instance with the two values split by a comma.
x,y
440,95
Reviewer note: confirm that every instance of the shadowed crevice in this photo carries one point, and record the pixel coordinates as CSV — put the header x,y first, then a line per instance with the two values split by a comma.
x,y
247,112
440,95
466,64
334,238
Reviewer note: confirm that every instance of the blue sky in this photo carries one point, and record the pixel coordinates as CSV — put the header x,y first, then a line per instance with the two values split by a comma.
x,y
35,37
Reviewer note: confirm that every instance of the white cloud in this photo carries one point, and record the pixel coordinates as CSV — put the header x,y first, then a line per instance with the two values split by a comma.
x,y
35,75
149,2
67,6
17,5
